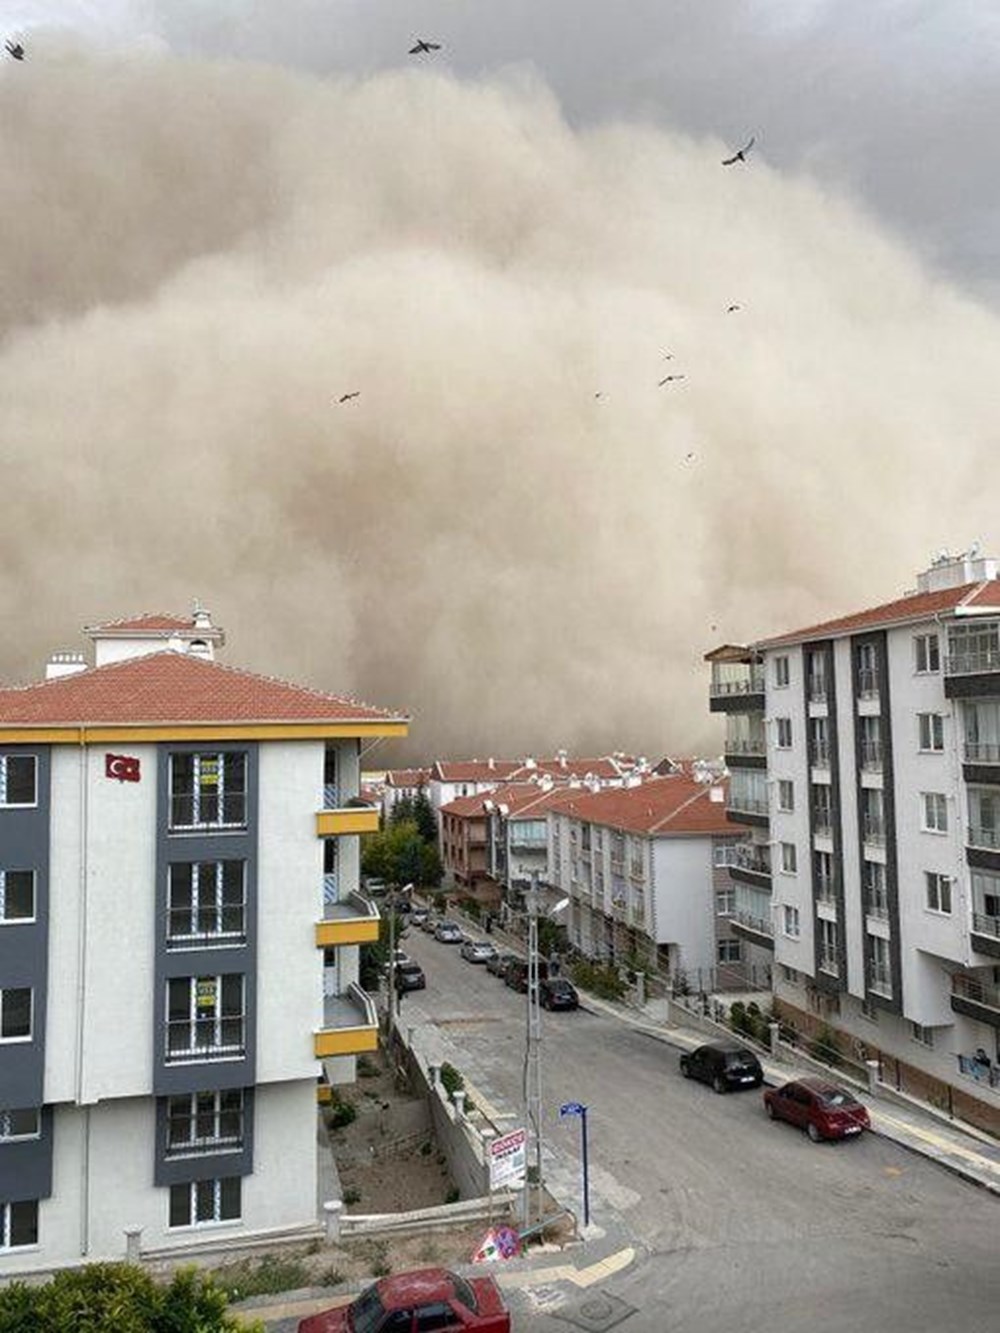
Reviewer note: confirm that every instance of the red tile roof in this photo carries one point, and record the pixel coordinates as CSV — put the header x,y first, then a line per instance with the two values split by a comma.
x,y
150,623
473,770
507,770
915,607
168,687
666,806
407,777
467,807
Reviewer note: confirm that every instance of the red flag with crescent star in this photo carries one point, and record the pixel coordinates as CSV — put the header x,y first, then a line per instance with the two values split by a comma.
x,y
123,767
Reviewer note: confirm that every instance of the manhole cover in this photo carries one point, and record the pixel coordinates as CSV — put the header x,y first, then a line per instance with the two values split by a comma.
x,y
596,1313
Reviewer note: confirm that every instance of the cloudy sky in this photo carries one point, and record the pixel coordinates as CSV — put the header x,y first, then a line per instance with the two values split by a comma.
x,y
219,216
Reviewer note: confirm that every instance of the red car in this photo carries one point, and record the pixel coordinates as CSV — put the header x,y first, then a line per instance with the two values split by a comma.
x,y
417,1302
822,1109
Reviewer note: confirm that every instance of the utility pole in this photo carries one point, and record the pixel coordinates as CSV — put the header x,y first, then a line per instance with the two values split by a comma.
x,y
533,1050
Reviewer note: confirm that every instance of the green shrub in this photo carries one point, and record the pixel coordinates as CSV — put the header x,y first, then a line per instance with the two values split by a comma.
x,y
352,1195
342,1114
452,1196
262,1277
824,1046
367,1068
330,1277
598,978
451,1080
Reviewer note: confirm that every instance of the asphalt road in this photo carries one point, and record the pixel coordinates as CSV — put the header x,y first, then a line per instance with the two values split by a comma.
x,y
743,1224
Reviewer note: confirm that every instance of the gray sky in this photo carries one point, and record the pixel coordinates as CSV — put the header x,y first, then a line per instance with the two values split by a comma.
x,y
218,219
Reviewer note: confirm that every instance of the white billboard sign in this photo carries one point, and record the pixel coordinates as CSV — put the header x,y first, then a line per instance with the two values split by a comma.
x,y
508,1159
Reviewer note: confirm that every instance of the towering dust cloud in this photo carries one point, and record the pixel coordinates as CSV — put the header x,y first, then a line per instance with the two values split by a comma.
x,y
513,530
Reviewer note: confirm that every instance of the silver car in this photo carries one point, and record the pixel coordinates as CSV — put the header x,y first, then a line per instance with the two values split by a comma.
x,y
448,933
478,951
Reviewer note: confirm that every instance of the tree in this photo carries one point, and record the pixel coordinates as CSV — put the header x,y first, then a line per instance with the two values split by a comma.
x,y
373,959
424,817
118,1298
399,855
402,811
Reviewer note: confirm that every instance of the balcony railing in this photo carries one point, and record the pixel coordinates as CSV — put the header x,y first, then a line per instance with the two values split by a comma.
x,y
751,683
988,838
753,745
979,992
871,755
744,856
983,924
816,690
873,831
867,683
877,906
819,754
822,820
750,805
206,1038
972,663
825,893
880,979
208,812
981,752
763,925
207,927
828,962
331,796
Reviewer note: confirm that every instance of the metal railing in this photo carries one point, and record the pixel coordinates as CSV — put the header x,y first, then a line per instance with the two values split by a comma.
x,y
751,683
877,906
983,837
822,820
825,893
867,683
750,805
206,927
873,831
828,963
983,924
981,752
819,754
331,795
744,856
880,979
871,754
206,1038
816,690
755,745
979,992
228,812
753,921
971,663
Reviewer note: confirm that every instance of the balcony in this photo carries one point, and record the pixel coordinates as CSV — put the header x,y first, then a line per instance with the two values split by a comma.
x,y
873,831
353,921
753,926
867,683
753,746
215,1038
986,933
354,817
747,857
819,754
350,1025
981,752
822,821
816,690
975,999
987,838
210,927
880,979
825,893
972,663
740,689
871,756
828,963
877,906
741,803
973,672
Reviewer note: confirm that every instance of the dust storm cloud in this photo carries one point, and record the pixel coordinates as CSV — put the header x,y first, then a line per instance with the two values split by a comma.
x,y
513,532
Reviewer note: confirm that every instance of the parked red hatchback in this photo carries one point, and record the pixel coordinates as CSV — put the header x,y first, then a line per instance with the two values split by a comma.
x,y
822,1109
427,1298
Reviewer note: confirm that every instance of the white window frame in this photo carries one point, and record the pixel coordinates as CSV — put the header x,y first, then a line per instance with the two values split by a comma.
x,y
10,1135
937,893
782,672
930,732
790,922
783,733
5,1225
17,805
933,812
196,1188
923,1036
928,648
218,758
6,920
785,787
791,975
208,896
725,902
789,858
724,946
216,1141
217,1049
11,1041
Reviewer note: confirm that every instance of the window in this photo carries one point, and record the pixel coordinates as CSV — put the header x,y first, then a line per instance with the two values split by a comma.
x,y
783,728
867,664
931,727
18,1224
790,974
17,895
201,1202
786,795
875,892
18,779
205,1122
789,859
16,1125
728,951
981,720
938,892
828,961
879,971
872,816
823,874
925,1036
207,902
926,654
436,1317
822,808
205,1018
819,742
725,902
935,812
208,790
870,741
791,915
816,677
781,672
15,1014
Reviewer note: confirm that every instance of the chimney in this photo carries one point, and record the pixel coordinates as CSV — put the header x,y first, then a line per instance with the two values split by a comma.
x,y
530,763
716,794
64,664
490,763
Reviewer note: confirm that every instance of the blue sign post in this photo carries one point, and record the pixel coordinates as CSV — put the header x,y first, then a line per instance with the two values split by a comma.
x,y
577,1108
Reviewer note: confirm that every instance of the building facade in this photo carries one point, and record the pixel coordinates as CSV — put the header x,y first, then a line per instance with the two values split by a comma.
x,y
872,807
179,932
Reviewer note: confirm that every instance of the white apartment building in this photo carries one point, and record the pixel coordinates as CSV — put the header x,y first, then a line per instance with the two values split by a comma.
x,y
639,866
179,932
865,761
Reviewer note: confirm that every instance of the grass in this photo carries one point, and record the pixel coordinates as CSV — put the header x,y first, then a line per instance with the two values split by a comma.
x,y
262,1277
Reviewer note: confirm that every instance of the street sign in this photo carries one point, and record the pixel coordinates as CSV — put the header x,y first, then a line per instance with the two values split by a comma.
x,y
572,1108
508,1159
578,1108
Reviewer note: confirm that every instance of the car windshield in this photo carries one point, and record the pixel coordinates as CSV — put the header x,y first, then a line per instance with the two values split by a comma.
x,y
560,986
465,1293
736,1059
835,1097
366,1313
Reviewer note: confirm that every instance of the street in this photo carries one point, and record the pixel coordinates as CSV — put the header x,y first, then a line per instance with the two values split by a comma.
x,y
740,1223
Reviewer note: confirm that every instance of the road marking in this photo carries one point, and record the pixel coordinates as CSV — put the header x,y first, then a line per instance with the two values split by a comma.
x,y
614,1263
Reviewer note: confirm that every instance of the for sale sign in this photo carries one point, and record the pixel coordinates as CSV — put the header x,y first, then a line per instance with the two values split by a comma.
x,y
508,1159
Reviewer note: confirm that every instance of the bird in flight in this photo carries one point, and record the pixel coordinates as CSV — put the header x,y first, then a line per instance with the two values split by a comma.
x,y
422,47
346,397
15,49
741,153
731,308
668,379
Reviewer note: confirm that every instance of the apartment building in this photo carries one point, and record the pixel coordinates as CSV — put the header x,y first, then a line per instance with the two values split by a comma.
x,y
450,779
179,932
401,784
865,760
463,846
640,867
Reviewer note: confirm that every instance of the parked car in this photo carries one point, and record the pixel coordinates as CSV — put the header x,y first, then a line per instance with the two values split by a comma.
x,y
410,976
516,976
497,965
478,951
558,993
425,1298
822,1109
448,933
724,1065
430,923
375,888
418,917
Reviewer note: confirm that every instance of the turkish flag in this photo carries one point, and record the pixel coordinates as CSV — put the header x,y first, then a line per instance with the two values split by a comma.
x,y
122,767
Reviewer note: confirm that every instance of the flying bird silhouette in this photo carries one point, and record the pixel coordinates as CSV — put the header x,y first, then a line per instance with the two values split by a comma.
x,y
15,49
668,379
741,153
346,397
731,308
423,46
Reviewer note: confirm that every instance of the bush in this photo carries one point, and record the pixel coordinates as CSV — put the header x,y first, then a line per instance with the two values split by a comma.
x,y
352,1195
330,1277
598,978
262,1277
367,1068
451,1080
342,1114
824,1046
471,907
453,1195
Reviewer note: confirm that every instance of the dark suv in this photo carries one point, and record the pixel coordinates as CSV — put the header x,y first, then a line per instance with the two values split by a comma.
x,y
725,1066
516,975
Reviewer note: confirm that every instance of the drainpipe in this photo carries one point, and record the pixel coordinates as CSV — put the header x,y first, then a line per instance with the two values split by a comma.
x,y
81,1002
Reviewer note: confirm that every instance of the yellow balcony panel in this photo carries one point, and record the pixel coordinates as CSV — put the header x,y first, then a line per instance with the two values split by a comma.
x,y
348,819
324,1094
353,921
350,1025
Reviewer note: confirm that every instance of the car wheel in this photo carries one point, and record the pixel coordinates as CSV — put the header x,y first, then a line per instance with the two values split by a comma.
x,y
686,1069
813,1132
719,1083
769,1108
